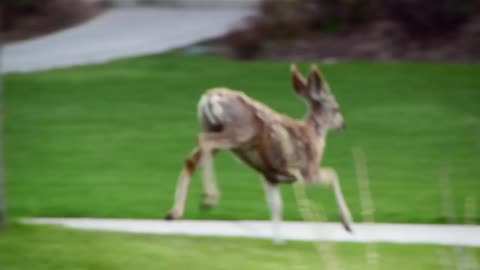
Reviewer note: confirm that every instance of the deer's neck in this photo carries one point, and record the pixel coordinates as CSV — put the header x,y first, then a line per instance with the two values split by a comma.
x,y
315,122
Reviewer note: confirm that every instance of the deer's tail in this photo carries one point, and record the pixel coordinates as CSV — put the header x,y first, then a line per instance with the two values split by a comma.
x,y
210,113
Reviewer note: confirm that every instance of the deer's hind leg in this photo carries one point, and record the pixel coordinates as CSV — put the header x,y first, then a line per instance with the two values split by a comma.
x,y
183,183
209,143
210,190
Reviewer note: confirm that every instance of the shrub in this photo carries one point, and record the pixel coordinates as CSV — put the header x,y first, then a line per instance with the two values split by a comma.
x,y
246,41
46,13
290,19
427,17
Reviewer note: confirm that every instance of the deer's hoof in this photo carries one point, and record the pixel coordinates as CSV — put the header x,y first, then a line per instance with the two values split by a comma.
x,y
208,201
171,216
348,227
204,206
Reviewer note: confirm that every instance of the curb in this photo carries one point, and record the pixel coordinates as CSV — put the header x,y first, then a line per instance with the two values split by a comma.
x,y
446,234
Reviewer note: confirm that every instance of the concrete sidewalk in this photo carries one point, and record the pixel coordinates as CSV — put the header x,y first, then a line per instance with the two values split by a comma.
x,y
119,33
465,235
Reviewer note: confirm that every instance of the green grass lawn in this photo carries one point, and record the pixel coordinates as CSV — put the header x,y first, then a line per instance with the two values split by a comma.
x,y
109,140
44,247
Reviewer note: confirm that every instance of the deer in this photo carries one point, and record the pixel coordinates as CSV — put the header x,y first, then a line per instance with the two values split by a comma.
x,y
281,149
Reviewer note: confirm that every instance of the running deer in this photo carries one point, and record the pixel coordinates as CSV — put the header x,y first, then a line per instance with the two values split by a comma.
x,y
279,148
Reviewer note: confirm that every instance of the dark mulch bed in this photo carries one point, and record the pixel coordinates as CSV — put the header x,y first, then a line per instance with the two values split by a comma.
x,y
48,18
382,40
385,41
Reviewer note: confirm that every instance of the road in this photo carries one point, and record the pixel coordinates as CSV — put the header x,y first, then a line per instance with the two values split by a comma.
x,y
119,33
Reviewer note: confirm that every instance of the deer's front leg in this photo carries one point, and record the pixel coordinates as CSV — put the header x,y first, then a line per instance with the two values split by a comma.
x,y
274,200
328,176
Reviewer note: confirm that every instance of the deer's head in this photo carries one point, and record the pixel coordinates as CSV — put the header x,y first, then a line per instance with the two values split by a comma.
x,y
324,110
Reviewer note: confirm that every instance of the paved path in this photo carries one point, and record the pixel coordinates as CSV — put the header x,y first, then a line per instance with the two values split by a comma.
x,y
467,235
121,32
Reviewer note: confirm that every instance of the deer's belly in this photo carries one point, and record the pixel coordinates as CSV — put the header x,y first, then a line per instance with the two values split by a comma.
x,y
253,159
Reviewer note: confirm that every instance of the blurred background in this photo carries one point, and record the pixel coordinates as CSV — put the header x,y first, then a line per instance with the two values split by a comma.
x,y
99,111
297,29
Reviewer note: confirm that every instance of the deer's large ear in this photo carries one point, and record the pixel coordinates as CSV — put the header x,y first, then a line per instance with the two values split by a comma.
x,y
316,83
298,81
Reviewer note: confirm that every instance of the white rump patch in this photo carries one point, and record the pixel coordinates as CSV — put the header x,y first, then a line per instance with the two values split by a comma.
x,y
216,107
211,107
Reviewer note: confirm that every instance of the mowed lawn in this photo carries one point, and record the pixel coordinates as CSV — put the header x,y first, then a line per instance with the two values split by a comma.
x,y
39,247
109,140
